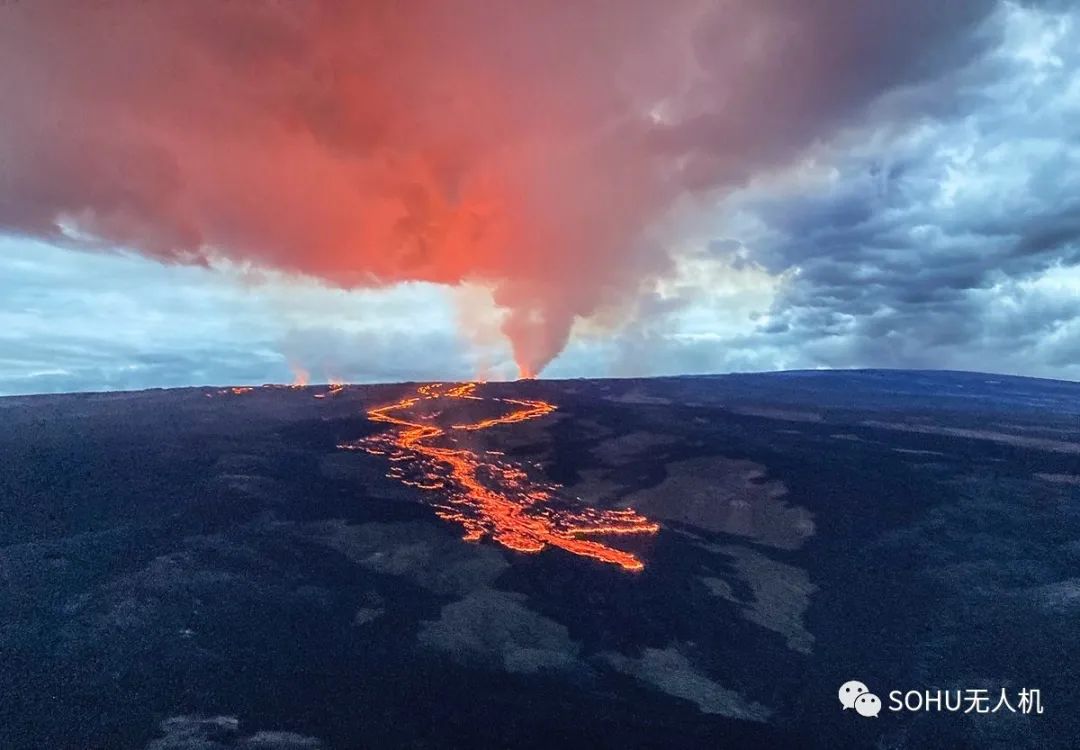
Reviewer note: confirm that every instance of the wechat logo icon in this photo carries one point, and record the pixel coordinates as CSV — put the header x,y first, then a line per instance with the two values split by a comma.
x,y
855,694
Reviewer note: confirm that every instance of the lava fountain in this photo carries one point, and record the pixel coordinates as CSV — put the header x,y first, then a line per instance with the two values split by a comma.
x,y
487,495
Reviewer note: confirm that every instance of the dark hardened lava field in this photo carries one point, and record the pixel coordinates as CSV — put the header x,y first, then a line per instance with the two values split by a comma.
x,y
198,568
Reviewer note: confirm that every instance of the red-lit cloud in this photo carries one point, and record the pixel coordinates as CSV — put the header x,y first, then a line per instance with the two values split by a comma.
x,y
526,145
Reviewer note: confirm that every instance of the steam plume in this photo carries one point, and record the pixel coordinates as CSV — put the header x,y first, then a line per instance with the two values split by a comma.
x,y
526,145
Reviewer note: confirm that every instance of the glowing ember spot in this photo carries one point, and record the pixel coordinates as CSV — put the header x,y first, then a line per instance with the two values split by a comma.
x,y
485,494
335,389
233,391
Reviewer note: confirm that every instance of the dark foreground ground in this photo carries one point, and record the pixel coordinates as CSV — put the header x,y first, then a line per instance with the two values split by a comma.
x,y
180,571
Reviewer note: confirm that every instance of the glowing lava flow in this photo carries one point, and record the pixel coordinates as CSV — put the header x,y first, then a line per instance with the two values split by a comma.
x,y
488,496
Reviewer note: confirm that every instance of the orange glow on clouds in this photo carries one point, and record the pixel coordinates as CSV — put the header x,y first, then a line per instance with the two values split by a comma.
x,y
364,144
545,150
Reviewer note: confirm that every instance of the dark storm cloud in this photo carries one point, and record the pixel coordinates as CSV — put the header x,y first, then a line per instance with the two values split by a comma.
x,y
939,228
817,64
951,241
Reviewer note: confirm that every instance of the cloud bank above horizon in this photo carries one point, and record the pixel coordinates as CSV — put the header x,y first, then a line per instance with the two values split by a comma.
x,y
214,193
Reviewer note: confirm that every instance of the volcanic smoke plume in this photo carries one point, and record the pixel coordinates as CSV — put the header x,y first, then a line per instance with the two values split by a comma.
x,y
529,146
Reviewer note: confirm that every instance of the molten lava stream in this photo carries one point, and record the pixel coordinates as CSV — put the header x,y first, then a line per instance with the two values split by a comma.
x,y
485,494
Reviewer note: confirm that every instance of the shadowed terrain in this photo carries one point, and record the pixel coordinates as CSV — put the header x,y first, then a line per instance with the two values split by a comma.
x,y
215,568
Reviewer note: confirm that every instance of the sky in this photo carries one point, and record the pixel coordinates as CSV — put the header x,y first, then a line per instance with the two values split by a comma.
x,y
211,193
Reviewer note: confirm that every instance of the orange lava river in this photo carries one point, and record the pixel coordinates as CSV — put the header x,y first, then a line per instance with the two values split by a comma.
x,y
484,493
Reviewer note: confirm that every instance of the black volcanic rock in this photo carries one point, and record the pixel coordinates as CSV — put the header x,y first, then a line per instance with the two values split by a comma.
x,y
201,569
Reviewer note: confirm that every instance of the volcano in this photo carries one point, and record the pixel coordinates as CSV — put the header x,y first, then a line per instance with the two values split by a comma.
x,y
674,562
